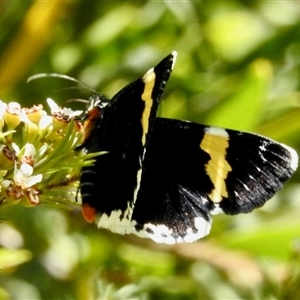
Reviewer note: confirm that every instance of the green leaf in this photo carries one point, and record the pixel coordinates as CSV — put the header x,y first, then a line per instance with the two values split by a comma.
x,y
243,110
272,240
287,124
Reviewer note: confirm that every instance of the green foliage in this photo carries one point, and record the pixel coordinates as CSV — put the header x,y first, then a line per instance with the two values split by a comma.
x,y
238,67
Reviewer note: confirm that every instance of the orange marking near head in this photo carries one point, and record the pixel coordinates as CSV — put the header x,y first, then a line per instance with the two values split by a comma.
x,y
90,121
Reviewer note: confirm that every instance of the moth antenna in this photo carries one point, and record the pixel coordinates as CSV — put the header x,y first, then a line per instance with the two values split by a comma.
x,y
78,100
77,87
43,75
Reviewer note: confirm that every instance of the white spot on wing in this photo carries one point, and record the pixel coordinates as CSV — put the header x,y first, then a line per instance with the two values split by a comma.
x,y
294,156
149,76
262,147
174,53
216,210
217,131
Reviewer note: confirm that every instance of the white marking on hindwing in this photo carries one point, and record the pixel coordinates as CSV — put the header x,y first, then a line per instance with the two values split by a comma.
x,y
158,232
116,223
163,234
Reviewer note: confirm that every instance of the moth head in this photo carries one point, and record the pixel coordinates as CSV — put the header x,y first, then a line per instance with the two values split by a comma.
x,y
91,115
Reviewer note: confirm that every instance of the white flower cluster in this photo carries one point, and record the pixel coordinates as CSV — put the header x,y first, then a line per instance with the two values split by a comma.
x,y
22,182
35,148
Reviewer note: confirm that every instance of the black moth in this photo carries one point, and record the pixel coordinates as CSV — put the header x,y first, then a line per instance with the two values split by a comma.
x,y
163,178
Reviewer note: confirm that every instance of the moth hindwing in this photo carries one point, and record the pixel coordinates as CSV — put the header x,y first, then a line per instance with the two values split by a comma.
x,y
162,178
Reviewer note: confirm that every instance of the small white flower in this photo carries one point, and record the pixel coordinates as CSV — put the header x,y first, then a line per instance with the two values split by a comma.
x,y
14,108
23,177
26,154
65,111
53,106
11,116
5,184
45,122
23,117
29,150
3,107
26,170
16,148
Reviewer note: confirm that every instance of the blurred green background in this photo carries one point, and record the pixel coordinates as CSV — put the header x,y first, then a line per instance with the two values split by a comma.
x,y
238,67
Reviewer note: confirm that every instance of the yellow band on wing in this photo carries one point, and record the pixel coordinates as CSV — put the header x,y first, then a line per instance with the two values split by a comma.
x,y
149,80
215,142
